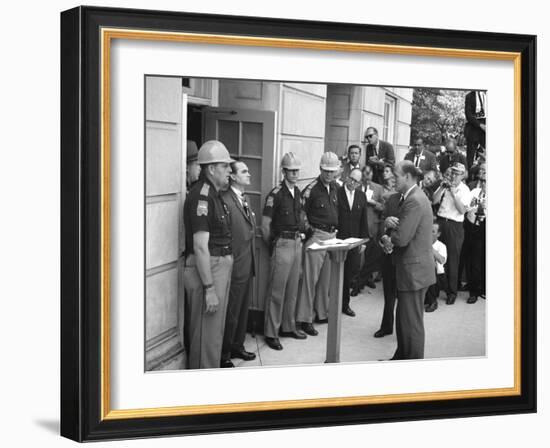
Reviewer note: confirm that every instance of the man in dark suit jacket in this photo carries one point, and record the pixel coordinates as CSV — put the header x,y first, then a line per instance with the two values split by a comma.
x,y
410,241
421,158
475,109
451,156
352,161
243,230
378,153
352,223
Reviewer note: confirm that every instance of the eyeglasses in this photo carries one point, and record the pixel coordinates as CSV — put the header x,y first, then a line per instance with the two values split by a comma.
x,y
355,181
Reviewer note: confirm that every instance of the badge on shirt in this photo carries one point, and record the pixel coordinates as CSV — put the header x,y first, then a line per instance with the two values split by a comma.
x,y
204,191
202,208
269,202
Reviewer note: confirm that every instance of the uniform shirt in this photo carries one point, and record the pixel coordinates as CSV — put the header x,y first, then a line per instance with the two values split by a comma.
x,y
205,211
285,210
441,249
321,206
448,210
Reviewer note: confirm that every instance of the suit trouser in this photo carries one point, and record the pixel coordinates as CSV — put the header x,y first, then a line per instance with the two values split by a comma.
x,y
433,291
373,259
237,317
474,253
472,145
409,324
280,306
206,330
390,293
452,235
351,268
314,296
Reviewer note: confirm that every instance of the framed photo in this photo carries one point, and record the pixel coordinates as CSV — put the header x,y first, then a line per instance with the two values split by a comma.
x,y
239,141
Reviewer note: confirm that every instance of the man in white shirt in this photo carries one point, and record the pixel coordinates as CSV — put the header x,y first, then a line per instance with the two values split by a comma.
x,y
440,257
454,198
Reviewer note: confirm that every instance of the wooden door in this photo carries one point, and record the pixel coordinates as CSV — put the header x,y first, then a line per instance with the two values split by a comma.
x,y
250,136
164,195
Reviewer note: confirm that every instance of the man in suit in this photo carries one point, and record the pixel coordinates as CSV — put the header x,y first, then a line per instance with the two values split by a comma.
x,y
352,223
410,241
354,154
421,157
451,156
243,231
372,255
378,153
475,109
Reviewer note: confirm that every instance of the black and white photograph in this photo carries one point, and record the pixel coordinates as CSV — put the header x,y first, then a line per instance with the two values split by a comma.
x,y
291,223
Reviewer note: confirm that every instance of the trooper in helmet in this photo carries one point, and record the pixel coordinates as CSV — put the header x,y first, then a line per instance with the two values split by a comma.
x,y
283,227
208,257
321,206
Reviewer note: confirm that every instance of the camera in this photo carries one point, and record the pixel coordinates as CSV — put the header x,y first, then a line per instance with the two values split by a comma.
x,y
445,184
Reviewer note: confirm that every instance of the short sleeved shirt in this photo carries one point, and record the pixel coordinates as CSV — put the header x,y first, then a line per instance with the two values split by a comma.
x,y
320,205
448,210
284,209
205,211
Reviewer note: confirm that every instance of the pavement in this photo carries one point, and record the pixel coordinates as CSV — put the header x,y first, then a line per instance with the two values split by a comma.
x,y
452,331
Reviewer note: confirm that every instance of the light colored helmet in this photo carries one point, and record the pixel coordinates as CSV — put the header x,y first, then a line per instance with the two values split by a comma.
x,y
329,162
213,151
291,162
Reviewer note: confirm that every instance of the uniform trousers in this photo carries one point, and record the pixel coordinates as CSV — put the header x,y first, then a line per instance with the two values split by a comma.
x,y
205,330
280,307
409,324
452,235
314,295
390,293
236,319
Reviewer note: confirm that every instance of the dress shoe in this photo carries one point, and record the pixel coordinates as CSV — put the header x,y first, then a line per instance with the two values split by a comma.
x,y
243,354
298,334
320,321
472,299
354,292
381,333
450,299
370,284
431,307
226,363
482,296
309,329
348,311
273,343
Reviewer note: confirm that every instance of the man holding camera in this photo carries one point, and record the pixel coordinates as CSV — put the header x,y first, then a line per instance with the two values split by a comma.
x,y
454,198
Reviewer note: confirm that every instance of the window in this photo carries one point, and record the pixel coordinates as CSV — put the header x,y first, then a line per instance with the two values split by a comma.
x,y
389,119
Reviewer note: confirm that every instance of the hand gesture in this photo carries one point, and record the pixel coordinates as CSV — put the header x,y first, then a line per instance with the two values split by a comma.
x,y
391,222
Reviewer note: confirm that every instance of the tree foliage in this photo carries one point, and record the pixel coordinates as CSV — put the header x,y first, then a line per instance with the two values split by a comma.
x,y
438,114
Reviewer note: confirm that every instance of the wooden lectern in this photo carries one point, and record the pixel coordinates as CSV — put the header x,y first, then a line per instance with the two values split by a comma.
x,y
337,253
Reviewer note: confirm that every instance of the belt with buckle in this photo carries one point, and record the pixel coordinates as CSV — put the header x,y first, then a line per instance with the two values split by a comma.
x,y
220,251
288,235
324,227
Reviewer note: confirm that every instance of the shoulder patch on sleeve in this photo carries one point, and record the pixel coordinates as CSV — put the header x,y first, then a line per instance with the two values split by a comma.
x,y
205,189
202,208
307,190
269,201
276,190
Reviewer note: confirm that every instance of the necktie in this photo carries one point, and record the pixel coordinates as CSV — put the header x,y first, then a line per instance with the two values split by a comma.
x,y
401,200
416,160
246,207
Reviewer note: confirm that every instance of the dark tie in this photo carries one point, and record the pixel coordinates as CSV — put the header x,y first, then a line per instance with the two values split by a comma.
x,y
401,200
245,206
416,160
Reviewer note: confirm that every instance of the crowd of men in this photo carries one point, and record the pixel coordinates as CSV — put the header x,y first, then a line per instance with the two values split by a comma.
x,y
424,218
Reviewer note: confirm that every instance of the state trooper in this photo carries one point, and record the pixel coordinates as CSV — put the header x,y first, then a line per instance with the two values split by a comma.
x,y
208,257
321,207
283,227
